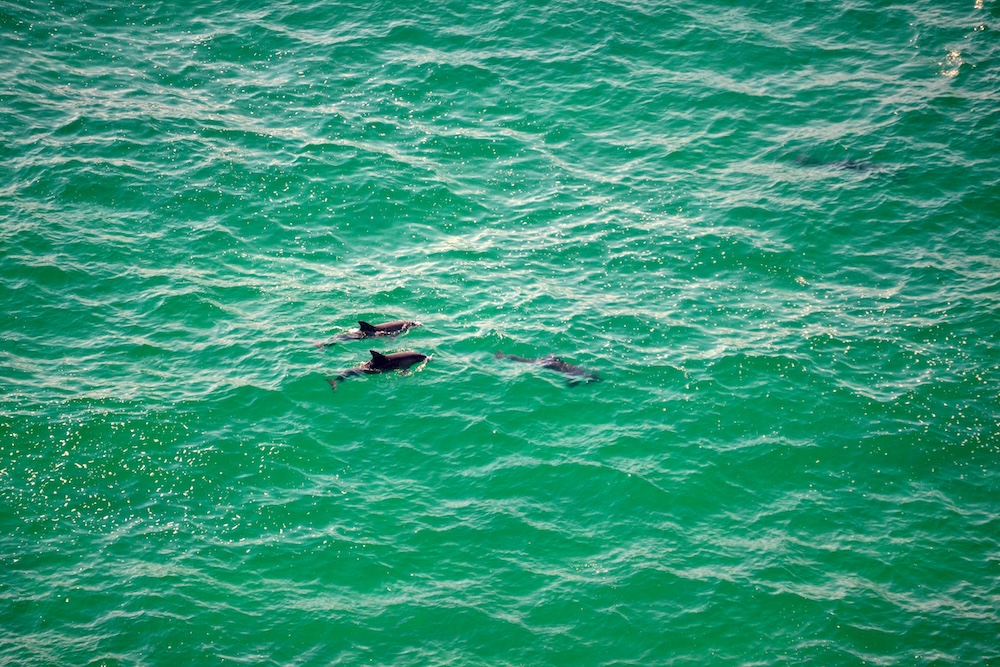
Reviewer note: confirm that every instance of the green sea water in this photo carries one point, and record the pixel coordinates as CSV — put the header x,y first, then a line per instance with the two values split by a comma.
x,y
772,229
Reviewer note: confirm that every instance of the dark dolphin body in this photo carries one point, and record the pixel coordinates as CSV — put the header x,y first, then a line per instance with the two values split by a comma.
x,y
851,165
380,363
555,363
857,165
371,331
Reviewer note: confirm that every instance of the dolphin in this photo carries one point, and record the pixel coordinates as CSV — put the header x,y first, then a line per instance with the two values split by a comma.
x,y
555,363
371,331
850,165
380,363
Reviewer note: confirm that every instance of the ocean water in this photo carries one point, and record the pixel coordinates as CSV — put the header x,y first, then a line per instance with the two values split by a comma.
x,y
772,229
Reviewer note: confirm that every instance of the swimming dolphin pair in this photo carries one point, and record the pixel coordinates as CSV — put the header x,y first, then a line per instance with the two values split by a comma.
x,y
379,362
371,331
553,362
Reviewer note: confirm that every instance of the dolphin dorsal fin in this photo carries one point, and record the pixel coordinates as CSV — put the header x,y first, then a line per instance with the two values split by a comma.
x,y
366,328
378,358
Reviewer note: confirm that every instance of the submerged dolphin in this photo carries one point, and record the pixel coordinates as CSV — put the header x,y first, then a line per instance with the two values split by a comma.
x,y
555,363
850,165
380,363
371,331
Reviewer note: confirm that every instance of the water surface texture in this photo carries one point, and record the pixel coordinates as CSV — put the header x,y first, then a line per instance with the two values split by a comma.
x,y
772,230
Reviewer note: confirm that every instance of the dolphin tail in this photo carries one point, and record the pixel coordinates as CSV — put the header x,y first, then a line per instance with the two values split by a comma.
x,y
333,383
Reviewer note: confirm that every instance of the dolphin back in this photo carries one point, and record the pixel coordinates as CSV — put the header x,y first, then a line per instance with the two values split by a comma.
x,y
554,363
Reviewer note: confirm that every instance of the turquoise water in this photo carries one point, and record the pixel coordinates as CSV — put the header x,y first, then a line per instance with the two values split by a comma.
x,y
771,228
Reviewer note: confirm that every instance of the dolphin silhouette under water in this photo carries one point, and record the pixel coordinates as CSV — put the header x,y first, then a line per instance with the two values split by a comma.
x,y
380,363
553,362
367,330
862,166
